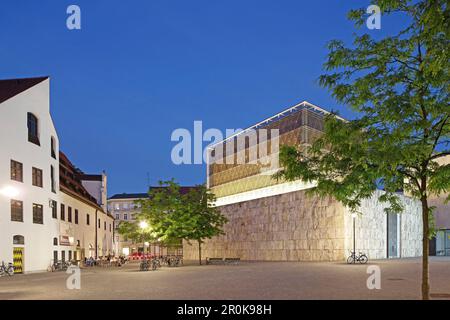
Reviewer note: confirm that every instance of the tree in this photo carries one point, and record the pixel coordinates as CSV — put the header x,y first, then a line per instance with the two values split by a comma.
x,y
203,219
174,214
399,87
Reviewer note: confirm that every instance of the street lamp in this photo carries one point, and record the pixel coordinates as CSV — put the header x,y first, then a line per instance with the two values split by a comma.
x,y
354,237
146,244
143,225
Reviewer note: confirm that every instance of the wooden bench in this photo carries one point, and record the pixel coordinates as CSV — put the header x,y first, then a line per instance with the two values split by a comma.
x,y
214,261
232,260
223,260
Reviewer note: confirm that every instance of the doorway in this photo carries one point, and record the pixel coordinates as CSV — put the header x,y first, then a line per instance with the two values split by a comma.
x,y
393,235
18,259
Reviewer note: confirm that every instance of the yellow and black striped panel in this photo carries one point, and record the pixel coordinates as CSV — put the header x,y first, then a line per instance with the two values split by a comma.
x,y
18,260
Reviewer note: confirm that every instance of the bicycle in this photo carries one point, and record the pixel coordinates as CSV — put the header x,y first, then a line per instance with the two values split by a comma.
x,y
156,264
57,266
144,265
175,261
67,264
6,269
361,258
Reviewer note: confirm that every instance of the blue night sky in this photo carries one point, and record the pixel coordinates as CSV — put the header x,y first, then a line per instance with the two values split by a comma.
x,y
137,70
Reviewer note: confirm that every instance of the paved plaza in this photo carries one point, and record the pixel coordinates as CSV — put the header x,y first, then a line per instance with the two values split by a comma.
x,y
255,280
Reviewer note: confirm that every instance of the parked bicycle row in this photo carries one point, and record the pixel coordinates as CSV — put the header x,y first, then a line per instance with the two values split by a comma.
x,y
156,262
146,263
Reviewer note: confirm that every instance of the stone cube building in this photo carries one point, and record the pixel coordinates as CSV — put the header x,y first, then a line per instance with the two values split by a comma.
x,y
275,220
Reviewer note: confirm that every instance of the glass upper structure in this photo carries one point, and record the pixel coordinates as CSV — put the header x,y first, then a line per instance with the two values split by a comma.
x,y
248,160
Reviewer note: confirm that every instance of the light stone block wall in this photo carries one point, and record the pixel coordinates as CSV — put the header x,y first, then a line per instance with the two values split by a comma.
x,y
371,229
287,227
411,229
297,227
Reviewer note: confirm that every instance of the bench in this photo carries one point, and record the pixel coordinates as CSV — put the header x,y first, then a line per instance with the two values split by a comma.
x,y
232,260
214,260
223,260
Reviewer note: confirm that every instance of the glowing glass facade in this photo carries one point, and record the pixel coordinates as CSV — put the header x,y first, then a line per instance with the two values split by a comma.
x,y
248,160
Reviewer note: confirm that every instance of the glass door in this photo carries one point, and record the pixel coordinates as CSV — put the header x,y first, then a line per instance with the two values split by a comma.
x,y
392,233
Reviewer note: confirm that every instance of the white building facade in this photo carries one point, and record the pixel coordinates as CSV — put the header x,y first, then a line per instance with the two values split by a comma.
x,y
31,229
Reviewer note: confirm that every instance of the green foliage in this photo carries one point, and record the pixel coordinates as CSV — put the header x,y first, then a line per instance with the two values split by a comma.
x,y
399,86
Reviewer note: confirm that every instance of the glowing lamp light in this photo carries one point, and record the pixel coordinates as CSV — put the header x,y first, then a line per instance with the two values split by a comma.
x,y
9,192
147,244
143,224
354,215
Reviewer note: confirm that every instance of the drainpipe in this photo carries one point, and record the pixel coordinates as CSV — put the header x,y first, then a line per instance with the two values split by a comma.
x,y
96,230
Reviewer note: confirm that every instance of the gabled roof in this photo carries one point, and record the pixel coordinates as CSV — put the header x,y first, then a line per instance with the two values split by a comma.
x,y
12,87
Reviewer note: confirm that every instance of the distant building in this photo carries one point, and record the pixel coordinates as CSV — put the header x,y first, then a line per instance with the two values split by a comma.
x,y
123,208
440,245
82,219
96,185
46,213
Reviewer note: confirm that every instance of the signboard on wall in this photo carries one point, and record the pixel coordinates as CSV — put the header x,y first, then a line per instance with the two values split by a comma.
x,y
64,240
66,232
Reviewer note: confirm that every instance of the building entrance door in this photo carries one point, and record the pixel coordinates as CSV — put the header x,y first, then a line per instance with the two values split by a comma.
x,y
392,234
18,258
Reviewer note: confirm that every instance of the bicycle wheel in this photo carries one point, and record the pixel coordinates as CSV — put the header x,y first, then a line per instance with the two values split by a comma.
x,y
351,260
363,259
10,271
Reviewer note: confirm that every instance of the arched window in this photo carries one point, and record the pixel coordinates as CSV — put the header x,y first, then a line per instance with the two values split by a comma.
x,y
18,239
53,147
55,241
78,243
33,128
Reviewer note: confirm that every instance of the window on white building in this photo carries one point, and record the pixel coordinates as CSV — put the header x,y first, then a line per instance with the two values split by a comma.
x,y
37,177
53,147
16,210
18,239
38,214
52,178
16,171
33,128
54,209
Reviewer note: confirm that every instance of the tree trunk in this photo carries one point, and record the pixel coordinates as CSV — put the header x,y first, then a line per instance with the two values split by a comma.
x,y
425,250
200,252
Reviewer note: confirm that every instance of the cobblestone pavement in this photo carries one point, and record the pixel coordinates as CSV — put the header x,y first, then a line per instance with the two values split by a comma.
x,y
256,280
